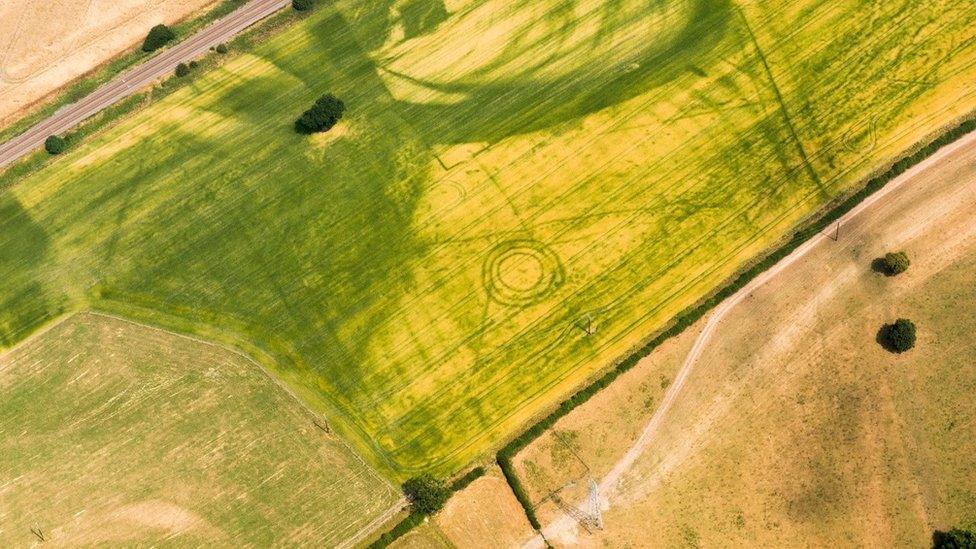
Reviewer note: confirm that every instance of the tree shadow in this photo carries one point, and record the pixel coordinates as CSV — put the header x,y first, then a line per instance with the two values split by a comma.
x,y
883,338
491,111
955,538
879,266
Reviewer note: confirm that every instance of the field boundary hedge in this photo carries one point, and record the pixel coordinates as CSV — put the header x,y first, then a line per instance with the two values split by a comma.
x,y
507,453
414,520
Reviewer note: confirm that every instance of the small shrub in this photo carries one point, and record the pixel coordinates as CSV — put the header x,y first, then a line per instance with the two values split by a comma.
x,y
55,144
182,70
898,337
221,48
193,65
301,5
955,538
893,263
426,493
324,114
157,37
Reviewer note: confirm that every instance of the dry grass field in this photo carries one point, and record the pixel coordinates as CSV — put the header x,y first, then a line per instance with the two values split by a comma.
x,y
508,175
485,515
796,428
46,44
116,434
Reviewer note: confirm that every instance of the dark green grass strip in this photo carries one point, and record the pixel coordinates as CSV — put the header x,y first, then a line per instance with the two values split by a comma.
x,y
505,455
414,520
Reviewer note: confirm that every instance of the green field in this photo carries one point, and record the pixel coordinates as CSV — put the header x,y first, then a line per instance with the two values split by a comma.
x,y
118,434
509,176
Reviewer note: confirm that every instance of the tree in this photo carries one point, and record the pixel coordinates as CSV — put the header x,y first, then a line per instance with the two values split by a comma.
x,y
301,5
55,144
898,337
158,35
221,48
324,114
955,538
426,493
182,70
896,263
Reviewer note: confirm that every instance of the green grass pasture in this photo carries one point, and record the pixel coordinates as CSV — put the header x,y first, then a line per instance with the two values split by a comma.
x,y
119,434
520,192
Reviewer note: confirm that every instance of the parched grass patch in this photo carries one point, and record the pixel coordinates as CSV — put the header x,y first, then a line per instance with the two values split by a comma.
x,y
500,218
115,433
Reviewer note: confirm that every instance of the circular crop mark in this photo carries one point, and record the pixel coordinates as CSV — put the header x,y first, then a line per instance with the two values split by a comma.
x,y
448,194
862,137
521,272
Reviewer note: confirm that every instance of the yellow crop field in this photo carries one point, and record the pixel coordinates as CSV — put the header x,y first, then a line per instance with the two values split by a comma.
x,y
519,193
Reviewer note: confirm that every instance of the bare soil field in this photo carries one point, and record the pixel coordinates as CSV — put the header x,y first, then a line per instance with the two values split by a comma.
x,y
796,428
45,45
113,433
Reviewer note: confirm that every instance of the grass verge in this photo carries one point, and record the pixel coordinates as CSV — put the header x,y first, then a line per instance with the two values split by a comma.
x,y
242,43
105,72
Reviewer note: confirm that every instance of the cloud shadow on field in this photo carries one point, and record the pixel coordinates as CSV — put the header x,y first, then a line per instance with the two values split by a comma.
x,y
24,303
493,111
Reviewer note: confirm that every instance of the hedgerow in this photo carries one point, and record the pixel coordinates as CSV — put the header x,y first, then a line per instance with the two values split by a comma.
x,y
412,521
415,519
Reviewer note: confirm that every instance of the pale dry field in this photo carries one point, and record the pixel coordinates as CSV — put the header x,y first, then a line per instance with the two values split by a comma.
x,y
795,427
485,515
45,45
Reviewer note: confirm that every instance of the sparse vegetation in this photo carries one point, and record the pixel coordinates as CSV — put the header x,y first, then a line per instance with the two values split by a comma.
x,y
55,144
897,337
158,36
323,115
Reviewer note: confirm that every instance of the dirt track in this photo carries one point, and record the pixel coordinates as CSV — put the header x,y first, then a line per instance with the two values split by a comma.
x,y
133,80
954,152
